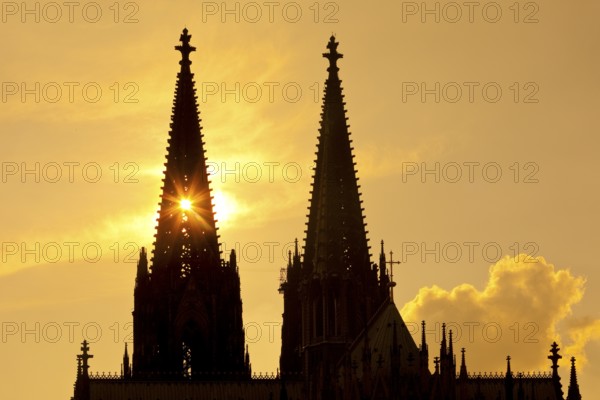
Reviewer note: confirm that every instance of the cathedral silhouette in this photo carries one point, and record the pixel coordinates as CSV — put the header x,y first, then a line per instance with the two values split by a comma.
x,y
342,335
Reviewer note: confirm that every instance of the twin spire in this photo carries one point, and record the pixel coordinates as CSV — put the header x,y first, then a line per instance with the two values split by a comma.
x,y
336,239
186,237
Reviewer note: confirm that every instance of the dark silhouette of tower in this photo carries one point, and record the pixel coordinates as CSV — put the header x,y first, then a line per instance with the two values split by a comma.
x,y
188,310
336,291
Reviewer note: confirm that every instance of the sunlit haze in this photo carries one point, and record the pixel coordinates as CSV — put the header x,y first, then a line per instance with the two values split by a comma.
x,y
475,140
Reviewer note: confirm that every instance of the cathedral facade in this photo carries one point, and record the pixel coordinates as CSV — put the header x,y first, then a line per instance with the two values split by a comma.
x,y
343,337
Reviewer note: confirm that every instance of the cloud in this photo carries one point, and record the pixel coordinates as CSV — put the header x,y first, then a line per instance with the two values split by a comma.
x,y
517,313
581,332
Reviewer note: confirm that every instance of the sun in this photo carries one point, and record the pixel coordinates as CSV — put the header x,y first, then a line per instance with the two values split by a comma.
x,y
185,204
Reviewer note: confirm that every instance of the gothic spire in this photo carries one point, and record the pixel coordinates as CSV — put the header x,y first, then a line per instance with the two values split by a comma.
x,y
189,311
573,393
424,353
463,365
186,237
336,239
443,348
423,337
126,367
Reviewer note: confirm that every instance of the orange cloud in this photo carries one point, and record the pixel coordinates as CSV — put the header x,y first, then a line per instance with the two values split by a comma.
x,y
517,313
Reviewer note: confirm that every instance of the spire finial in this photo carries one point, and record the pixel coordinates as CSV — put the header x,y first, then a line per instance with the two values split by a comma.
x,y
185,48
333,54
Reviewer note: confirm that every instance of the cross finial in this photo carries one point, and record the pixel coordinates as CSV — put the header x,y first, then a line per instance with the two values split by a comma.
x,y
392,284
333,54
185,48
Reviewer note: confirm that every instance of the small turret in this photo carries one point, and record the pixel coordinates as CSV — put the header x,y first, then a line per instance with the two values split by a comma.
x,y
142,267
424,352
463,366
573,393
82,384
126,366
508,381
554,357
463,377
443,350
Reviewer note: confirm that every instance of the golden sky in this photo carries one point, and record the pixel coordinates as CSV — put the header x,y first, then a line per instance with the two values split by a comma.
x,y
474,132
